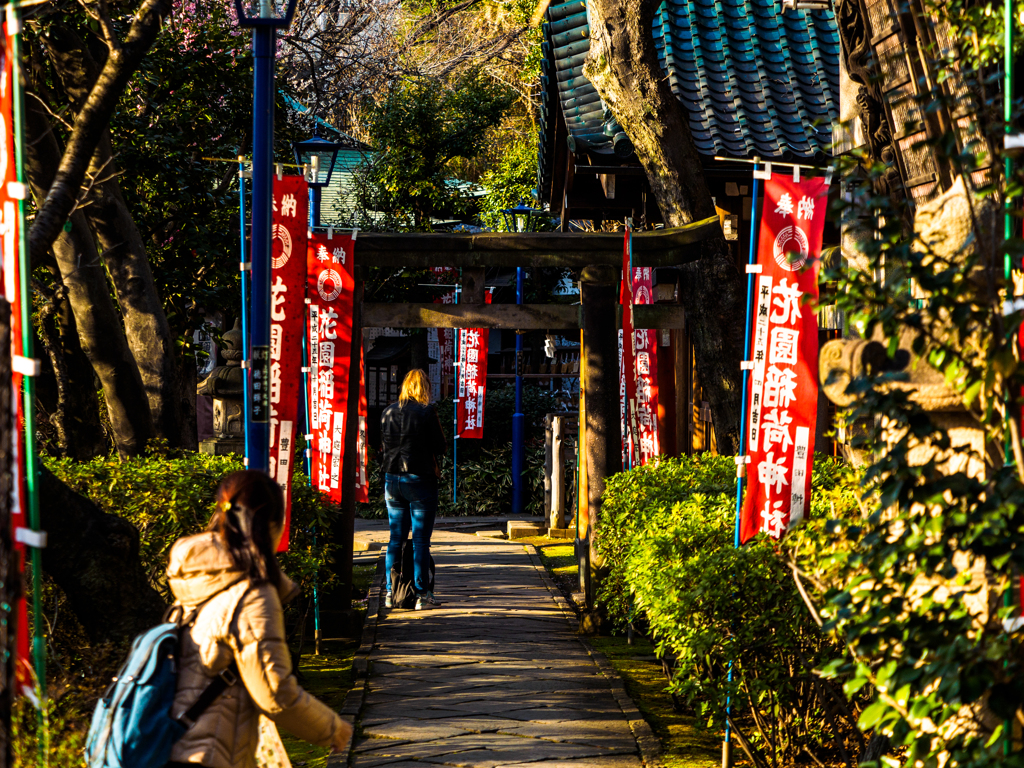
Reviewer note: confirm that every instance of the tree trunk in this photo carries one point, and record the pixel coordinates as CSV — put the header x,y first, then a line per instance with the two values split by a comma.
x,y
88,436
146,328
123,251
94,558
99,325
91,124
623,66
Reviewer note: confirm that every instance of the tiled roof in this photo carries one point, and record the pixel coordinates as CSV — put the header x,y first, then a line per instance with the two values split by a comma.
x,y
754,79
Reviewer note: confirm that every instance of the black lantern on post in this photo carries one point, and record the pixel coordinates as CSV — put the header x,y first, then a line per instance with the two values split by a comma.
x,y
265,17
520,219
320,155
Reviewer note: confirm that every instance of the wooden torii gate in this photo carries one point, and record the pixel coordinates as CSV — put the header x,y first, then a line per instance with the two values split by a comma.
x,y
598,258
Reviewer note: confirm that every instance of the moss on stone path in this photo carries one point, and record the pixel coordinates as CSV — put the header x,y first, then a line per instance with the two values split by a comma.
x,y
329,678
684,745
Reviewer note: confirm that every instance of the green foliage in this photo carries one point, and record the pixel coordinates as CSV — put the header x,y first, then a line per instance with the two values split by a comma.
x,y
510,182
64,741
419,128
190,100
666,540
170,496
914,587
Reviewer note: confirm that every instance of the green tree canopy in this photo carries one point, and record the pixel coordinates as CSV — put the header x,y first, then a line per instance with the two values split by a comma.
x,y
418,130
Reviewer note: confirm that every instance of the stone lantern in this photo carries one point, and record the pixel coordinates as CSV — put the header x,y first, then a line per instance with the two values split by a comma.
x,y
226,385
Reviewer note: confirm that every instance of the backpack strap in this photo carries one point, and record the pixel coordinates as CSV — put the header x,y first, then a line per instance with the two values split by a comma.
x,y
217,686
224,679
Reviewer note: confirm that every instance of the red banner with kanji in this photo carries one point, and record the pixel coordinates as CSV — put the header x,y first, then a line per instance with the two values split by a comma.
x,y
638,366
12,290
472,380
445,345
783,396
287,295
645,368
362,479
627,379
329,287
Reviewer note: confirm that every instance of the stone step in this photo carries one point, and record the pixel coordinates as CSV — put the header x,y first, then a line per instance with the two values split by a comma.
x,y
490,534
524,530
368,546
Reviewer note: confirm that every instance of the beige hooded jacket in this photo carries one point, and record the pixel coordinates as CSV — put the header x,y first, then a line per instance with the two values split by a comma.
x,y
246,624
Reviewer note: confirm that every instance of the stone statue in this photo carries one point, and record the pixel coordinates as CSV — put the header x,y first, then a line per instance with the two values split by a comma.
x,y
226,385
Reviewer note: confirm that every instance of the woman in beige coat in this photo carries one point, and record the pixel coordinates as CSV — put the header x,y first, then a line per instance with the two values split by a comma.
x,y
230,587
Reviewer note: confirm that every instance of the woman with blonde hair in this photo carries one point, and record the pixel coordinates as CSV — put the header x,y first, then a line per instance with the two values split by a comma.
x,y
412,444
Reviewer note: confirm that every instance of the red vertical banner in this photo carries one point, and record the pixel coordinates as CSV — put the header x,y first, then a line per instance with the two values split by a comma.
x,y
10,192
329,288
645,363
472,379
287,292
783,396
445,345
362,479
627,379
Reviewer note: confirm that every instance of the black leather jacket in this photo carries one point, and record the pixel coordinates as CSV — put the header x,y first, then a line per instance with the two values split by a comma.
x,y
412,438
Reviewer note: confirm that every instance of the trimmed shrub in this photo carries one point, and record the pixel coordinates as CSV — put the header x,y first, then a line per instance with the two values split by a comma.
x,y
666,538
167,496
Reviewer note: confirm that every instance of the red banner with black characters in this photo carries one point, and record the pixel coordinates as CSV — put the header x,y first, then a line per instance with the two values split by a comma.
x,y
783,400
472,379
627,381
287,295
645,365
329,288
638,366
445,345
362,479
10,193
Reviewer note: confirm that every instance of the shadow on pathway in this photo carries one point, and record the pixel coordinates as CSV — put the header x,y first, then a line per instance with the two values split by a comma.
x,y
493,677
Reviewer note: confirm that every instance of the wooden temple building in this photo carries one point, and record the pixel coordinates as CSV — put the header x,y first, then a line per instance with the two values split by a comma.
x,y
757,81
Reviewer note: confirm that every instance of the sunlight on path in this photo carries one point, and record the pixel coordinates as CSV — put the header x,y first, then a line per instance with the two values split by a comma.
x,y
494,677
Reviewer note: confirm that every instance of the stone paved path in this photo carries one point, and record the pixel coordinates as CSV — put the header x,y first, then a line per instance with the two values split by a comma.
x,y
494,677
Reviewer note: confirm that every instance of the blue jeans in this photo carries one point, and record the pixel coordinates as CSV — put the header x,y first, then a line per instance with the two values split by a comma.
x,y
412,503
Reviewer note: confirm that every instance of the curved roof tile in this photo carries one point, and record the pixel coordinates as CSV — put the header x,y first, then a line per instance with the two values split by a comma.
x,y
753,80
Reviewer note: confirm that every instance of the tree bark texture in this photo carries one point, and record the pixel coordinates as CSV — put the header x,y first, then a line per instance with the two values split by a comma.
x,y
99,325
623,66
145,324
94,558
123,250
91,123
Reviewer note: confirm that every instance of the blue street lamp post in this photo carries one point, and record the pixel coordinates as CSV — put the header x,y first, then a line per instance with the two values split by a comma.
x,y
522,218
265,19
319,154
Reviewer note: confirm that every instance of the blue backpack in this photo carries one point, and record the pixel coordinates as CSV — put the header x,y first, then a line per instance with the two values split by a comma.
x,y
132,726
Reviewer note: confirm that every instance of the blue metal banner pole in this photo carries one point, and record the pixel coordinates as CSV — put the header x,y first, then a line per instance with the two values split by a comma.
x,y
741,467
245,267
257,444
518,419
308,453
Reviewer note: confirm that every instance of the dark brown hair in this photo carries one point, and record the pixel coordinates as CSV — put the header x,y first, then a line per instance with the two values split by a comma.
x,y
248,503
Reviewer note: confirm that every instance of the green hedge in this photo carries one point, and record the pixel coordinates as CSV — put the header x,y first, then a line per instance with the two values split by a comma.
x,y
170,495
666,537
